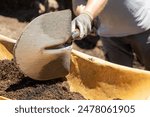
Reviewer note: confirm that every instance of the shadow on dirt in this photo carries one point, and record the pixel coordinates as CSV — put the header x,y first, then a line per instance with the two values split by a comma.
x,y
23,10
22,15
28,82
27,10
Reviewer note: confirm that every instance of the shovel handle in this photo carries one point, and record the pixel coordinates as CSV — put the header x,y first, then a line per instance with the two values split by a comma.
x,y
75,34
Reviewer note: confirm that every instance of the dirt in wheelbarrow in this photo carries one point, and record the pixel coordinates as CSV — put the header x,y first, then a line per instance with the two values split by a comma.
x,y
14,85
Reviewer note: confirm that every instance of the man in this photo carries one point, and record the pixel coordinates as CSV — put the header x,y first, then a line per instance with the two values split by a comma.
x,y
124,27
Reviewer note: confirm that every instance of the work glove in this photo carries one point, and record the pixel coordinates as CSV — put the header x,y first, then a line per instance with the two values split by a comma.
x,y
83,22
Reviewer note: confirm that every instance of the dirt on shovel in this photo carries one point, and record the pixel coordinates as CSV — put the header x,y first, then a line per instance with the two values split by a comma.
x,y
15,85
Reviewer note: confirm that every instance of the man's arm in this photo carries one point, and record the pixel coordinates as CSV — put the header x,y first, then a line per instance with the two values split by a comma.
x,y
83,21
78,6
94,7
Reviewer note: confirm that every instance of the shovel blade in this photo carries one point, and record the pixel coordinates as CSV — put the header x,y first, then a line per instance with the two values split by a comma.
x,y
40,52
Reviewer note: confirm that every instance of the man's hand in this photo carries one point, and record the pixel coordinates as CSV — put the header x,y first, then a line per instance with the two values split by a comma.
x,y
83,22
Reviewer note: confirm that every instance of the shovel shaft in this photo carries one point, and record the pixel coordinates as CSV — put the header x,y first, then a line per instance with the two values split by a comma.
x,y
75,34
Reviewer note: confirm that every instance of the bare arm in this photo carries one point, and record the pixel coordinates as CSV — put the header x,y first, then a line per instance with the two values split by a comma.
x,y
78,6
86,14
94,7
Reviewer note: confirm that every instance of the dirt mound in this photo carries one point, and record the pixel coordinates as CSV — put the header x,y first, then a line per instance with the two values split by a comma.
x,y
14,85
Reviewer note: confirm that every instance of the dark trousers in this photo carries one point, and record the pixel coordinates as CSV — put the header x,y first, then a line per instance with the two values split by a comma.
x,y
120,50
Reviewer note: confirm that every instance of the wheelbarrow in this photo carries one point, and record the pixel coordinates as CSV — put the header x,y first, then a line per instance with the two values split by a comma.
x,y
97,79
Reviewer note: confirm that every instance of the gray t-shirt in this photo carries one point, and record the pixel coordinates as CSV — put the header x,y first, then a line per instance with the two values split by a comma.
x,y
124,17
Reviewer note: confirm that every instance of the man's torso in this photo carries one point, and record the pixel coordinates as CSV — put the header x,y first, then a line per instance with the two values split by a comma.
x,y
124,17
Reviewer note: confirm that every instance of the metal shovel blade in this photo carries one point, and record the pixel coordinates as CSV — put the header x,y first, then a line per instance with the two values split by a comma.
x,y
40,52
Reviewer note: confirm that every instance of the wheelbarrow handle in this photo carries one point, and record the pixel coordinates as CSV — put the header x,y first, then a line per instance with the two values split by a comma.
x,y
7,39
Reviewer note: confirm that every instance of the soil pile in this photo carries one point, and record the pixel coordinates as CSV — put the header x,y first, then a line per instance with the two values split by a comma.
x,y
14,85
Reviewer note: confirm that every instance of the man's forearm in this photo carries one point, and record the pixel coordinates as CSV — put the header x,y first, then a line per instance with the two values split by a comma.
x,y
94,7
78,6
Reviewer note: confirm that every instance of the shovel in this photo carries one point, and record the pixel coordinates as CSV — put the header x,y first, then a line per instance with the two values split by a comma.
x,y
44,48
